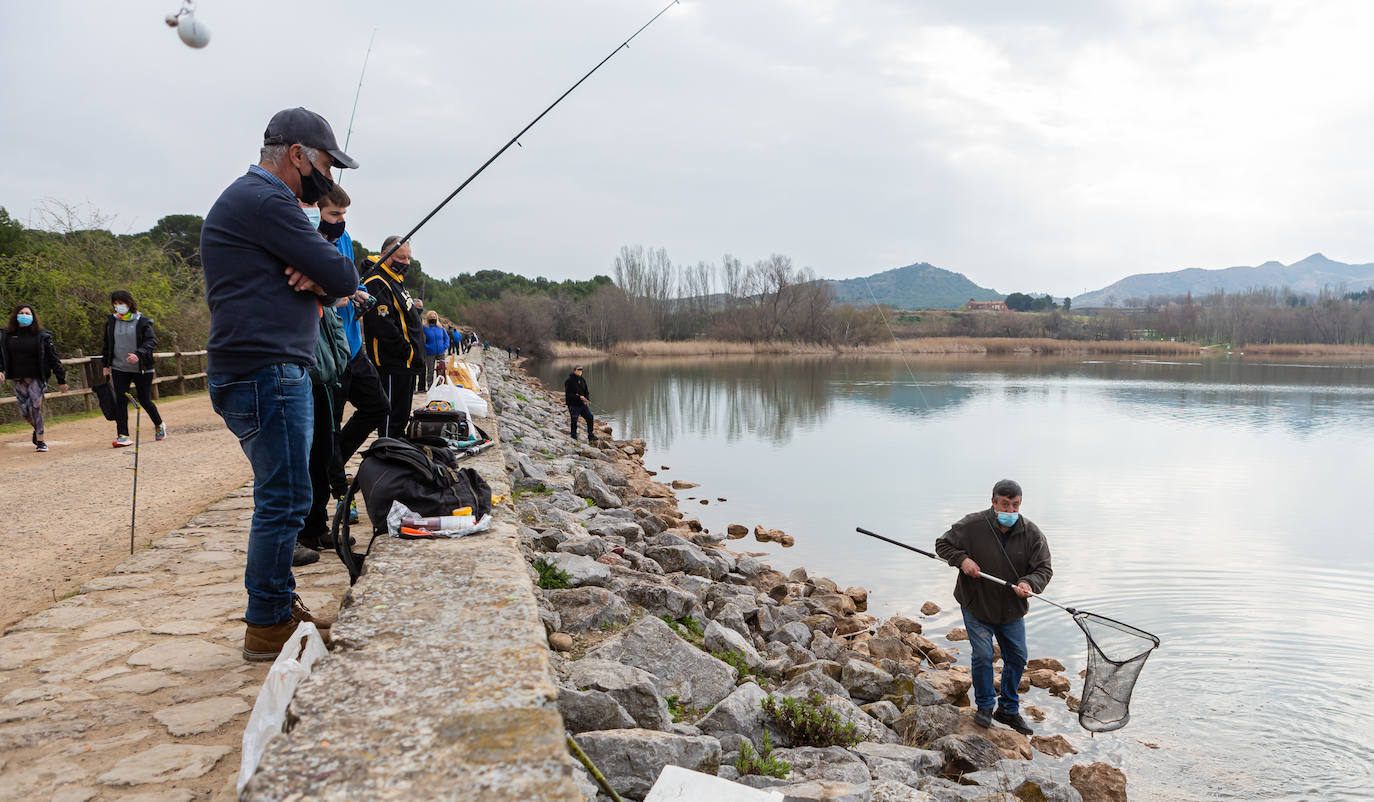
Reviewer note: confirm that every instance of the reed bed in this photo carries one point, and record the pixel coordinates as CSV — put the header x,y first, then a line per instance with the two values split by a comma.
x,y
1310,349
925,345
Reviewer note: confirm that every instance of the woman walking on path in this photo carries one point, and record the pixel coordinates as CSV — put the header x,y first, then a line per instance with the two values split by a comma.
x,y
128,358
27,356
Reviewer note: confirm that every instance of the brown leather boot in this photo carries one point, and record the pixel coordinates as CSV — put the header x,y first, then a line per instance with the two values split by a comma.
x,y
261,644
302,613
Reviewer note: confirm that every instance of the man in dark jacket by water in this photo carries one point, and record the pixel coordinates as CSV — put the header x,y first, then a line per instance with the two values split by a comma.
x,y
394,338
578,397
1010,547
267,271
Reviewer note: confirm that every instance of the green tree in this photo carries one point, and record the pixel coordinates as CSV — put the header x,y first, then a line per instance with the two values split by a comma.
x,y
12,236
180,234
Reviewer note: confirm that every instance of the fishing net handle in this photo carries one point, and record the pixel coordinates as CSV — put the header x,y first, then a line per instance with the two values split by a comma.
x,y
981,573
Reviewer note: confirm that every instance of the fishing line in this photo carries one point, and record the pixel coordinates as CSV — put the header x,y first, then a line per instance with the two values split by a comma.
x,y
513,140
895,342
349,136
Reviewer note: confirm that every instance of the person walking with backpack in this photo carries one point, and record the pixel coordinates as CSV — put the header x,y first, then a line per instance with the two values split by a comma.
x,y
127,356
28,355
436,343
578,397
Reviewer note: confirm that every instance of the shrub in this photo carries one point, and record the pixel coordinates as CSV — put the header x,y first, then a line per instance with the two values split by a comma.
x,y
808,722
763,763
736,660
550,576
680,711
688,627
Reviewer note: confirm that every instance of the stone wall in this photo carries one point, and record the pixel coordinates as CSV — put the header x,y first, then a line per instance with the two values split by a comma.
x,y
438,685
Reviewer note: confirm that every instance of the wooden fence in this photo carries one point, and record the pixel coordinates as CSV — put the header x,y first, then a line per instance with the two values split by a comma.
x,y
91,375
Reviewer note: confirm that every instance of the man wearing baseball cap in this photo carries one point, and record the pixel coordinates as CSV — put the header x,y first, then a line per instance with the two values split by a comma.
x,y
267,272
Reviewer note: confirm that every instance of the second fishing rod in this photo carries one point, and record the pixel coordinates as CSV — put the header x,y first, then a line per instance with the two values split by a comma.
x,y
513,140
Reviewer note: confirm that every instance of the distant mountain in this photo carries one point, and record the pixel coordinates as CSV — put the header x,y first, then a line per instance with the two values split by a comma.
x,y
918,286
1308,276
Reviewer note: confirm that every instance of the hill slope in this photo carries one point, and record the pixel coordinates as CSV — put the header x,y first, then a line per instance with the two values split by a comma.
x,y
918,286
1310,275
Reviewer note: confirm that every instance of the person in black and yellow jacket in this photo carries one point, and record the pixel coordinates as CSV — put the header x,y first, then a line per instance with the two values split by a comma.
x,y
393,335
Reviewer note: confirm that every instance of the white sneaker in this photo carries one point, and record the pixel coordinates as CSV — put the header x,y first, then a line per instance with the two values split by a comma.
x,y
161,431
122,441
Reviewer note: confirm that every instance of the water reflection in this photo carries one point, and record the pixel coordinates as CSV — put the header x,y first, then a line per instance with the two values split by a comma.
x,y
1218,503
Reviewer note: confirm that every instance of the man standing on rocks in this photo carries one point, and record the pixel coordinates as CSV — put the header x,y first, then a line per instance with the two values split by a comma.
x,y
578,398
1011,548
266,272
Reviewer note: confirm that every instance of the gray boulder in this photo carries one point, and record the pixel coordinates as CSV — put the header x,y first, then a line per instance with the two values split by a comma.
x,y
591,710
631,759
829,763
720,639
901,763
566,501
682,670
927,724
741,713
582,609
907,690
584,545
946,791
837,699
528,474
636,691
1025,779
662,599
884,711
965,754
580,570
893,791
865,681
603,526
587,484
688,559
826,791
795,633
730,615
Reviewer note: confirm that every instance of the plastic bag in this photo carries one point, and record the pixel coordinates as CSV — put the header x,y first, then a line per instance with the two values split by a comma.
x,y
269,712
444,390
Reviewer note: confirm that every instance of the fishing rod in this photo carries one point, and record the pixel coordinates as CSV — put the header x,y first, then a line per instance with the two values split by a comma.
x,y
513,140
349,137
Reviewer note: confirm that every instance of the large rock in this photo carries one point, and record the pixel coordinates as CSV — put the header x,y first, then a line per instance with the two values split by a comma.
x,y
582,609
893,791
1098,782
636,690
587,484
868,728
836,604
1025,780
831,763
1054,745
662,599
967,753
687,558
923,725
741,713
591,710
916,763
584,545
948,791
694,677
1013,744
795,632
606,526
865,681
907,691
952,685
826,791
580,570
721,639
631,759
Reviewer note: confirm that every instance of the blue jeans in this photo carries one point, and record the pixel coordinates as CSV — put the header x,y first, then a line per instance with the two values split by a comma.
x,y
272,414
1012,638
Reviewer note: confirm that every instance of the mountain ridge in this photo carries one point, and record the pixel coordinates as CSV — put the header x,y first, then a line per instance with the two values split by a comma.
x,y
915,286
1309,275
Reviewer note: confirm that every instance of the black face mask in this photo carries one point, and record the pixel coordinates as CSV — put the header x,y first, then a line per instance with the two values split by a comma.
x,y
331,231
314,186
400,267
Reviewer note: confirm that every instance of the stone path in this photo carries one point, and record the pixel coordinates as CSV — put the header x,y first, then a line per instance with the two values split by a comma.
x,y
134,688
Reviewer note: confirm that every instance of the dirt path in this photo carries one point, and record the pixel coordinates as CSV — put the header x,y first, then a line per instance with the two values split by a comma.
x,y
66,512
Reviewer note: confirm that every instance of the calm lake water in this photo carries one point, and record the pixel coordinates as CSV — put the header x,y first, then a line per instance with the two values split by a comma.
x,y
1225,505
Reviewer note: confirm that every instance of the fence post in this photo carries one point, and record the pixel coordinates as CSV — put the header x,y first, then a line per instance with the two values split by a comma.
x,y
89,372
181,374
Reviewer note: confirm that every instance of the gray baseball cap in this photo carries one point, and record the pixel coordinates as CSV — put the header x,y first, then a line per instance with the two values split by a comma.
x,y
305,127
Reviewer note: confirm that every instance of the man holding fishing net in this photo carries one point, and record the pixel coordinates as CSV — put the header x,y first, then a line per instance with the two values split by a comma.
x,y
1008,545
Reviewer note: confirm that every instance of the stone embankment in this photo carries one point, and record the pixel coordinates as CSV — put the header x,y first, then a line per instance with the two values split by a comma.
x,y
666,644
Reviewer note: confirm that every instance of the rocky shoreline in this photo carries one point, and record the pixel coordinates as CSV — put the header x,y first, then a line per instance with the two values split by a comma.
x,y
670,648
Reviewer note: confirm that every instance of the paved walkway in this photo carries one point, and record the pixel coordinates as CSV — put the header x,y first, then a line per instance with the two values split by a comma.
x,y
134,688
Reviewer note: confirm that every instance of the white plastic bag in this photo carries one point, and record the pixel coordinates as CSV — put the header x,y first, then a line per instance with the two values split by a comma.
x,y
472,402
269,712
446,391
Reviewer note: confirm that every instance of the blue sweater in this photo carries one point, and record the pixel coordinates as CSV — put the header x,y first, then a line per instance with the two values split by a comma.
x,y
252,233
353,327
436,340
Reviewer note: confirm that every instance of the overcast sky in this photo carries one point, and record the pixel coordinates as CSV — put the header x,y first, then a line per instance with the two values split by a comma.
x,y
1056,145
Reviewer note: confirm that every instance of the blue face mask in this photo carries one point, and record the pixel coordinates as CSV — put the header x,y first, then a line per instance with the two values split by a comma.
x,y
1008,518
312,213
24,319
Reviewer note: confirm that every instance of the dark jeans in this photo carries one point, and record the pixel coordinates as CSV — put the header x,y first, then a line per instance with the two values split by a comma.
x,y
143,389
581,411
363,389
400,388
322,454
1012,638
271,413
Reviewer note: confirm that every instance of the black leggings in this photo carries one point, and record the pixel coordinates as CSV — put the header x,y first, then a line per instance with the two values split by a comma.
x,y
143,388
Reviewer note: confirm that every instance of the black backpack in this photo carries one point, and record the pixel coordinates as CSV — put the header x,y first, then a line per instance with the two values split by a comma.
x,y
424,478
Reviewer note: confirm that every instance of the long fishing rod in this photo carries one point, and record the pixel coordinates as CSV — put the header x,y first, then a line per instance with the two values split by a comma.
x,y
349,137
623,45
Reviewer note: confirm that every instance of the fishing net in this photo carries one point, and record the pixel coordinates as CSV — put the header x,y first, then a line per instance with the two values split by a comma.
x,y
1116,654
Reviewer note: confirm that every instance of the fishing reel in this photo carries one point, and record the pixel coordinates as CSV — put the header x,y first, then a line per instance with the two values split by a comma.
x,y
191,30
